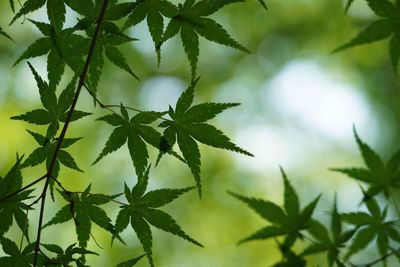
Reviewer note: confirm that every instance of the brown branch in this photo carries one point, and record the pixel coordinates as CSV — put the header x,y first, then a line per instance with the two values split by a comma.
x,y
81,82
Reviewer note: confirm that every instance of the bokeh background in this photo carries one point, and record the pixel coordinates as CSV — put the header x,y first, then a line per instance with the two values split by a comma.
x,y
299,104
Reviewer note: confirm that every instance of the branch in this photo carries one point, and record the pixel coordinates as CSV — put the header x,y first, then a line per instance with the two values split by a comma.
x,y
23,188
81,82
372,263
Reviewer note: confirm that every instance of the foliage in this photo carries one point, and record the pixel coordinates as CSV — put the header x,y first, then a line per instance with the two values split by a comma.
x,y
101,26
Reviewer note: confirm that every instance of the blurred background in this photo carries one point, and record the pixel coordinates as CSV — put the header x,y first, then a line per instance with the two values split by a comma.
x,y
299,104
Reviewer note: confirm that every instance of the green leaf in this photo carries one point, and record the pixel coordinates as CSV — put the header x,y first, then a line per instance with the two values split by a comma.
x,y
47,95
191,154
130,262
291,201
112,119
383,8
118,59
38,156
142,230
265,233
138,151
67,160
371,159
190,42
142,213
361,240
357,173
357,218
319,231
266,209
377,30
208,7
9,247
205,111
40,139
56,13
214,32
115,141
83,226
2,32
39,48
63,215
37,116
166,223
29,6
161,197
66,97
55,68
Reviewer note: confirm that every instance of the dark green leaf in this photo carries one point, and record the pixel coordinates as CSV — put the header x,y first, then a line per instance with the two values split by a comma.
x,y
265,233
67,160
37,116
130,263
165,222
377,30
39,48
118,59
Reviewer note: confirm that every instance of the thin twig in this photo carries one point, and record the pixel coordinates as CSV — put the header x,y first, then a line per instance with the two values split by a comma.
x,y
81,82
23,188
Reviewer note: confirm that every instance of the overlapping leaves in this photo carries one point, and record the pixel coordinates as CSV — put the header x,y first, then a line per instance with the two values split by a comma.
x,y
188,125
385,27
84,210
332,242
62,47
13,207
15,257
288,222
379,176
142,211
110,36
54,111
191,20
372,226
135,132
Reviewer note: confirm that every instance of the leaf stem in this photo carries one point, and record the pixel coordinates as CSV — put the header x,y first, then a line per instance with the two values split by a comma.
x,y
81,82
109,106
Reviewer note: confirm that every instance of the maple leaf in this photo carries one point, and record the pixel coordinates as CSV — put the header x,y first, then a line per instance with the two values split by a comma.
x,y
153,11
380,177
380,29
188,126
289,221
16,257
110,37
141,212
54,111
83,210
135,132
371,226
329,243
62,47
191,21
13,207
